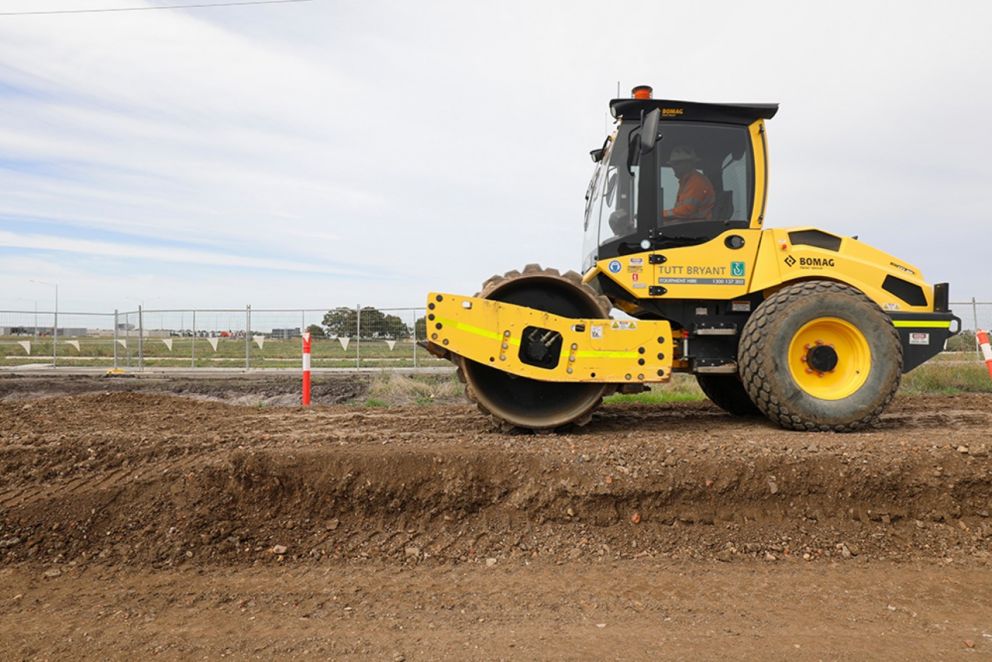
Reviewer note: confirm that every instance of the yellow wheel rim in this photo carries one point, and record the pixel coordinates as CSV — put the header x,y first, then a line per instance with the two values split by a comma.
x,y
829,358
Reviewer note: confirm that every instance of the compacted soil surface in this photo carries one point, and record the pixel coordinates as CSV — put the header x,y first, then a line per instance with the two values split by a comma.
x,y
139,523
253,388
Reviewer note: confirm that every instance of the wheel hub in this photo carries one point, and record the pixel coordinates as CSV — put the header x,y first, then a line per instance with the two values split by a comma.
x,y
815,353
821,358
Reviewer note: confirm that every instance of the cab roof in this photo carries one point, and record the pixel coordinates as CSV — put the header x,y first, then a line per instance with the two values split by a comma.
x,y
732,113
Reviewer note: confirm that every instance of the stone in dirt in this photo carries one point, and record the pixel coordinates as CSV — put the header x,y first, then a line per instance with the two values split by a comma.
x,y
412,552
490,562
9,542
278,549
52,573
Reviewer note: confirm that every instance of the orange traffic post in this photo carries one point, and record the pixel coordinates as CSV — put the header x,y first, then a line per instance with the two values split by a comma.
x,y
983,342
306,369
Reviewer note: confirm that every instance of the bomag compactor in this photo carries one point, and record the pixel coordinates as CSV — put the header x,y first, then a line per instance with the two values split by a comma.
x,y
810,328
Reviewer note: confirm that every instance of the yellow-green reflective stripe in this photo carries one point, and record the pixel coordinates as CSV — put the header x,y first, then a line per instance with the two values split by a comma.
x,y
581,354
477,330
921,324
604,354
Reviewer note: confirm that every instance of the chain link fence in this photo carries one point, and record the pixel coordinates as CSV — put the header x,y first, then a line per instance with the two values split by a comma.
x,y
359,337
974,315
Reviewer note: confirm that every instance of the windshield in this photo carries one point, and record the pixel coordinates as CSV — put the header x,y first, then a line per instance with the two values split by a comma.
x,y
704,178
611,199
705,174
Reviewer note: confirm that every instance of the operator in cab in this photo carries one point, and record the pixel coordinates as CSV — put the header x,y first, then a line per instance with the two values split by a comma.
x,y
696,197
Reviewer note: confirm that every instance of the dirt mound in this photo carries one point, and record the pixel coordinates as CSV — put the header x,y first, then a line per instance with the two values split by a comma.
x,y
146,479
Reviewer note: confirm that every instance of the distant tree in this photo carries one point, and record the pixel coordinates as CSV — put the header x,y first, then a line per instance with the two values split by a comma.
x,y
421,326
394,327
372,323
342,322
316,331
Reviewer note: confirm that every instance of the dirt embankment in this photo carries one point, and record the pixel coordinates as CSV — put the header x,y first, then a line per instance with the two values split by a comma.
x,y
169,481
135,524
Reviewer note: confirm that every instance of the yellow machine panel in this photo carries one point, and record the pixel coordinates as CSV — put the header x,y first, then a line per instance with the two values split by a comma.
x,y
760,149
712,270
581,350
741,261
782,259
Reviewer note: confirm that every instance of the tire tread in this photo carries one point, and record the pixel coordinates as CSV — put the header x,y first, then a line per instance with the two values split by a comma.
x,y
755,377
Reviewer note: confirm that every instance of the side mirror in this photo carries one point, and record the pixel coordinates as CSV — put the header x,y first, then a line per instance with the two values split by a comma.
x,y
649,131
633,151
644,139
597,154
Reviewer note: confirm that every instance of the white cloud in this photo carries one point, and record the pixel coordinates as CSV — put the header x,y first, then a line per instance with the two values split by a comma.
x,y
437,143
163,254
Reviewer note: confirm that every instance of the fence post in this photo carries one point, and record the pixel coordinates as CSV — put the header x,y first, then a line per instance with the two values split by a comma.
x,y
974,313
247,337
358,337
415,338
55,332
115,338
192,350
141,339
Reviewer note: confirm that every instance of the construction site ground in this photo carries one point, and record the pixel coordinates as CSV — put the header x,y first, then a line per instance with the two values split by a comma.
x,y
200,518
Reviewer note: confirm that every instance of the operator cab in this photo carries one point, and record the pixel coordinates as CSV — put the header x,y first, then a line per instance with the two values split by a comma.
x,y
701,173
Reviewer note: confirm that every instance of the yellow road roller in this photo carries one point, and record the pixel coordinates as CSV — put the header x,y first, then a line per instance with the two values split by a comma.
x,y
679,274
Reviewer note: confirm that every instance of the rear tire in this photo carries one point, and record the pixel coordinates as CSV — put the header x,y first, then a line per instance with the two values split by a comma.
x,y
820,355
728,393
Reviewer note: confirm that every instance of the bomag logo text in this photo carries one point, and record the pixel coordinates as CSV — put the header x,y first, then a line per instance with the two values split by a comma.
x,y
672,112
816,262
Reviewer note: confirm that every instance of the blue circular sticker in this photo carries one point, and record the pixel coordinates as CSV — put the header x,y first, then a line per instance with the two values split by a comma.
x,y
615,266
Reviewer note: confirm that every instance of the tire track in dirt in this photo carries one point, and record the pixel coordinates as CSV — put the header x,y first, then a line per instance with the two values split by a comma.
x,y
101,482
163,480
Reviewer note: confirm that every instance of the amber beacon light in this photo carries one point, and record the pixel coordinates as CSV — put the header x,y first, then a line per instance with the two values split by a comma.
x,y
642,92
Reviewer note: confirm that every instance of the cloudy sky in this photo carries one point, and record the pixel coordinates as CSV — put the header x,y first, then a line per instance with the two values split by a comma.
x,y
329,153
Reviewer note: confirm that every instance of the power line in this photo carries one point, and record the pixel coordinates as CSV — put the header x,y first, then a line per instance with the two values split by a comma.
x,y
119,9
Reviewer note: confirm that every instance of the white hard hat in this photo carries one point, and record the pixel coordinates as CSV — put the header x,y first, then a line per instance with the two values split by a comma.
x,y
683,153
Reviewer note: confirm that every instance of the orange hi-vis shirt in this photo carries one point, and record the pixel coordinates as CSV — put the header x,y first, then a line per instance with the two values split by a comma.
x,y
695,199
